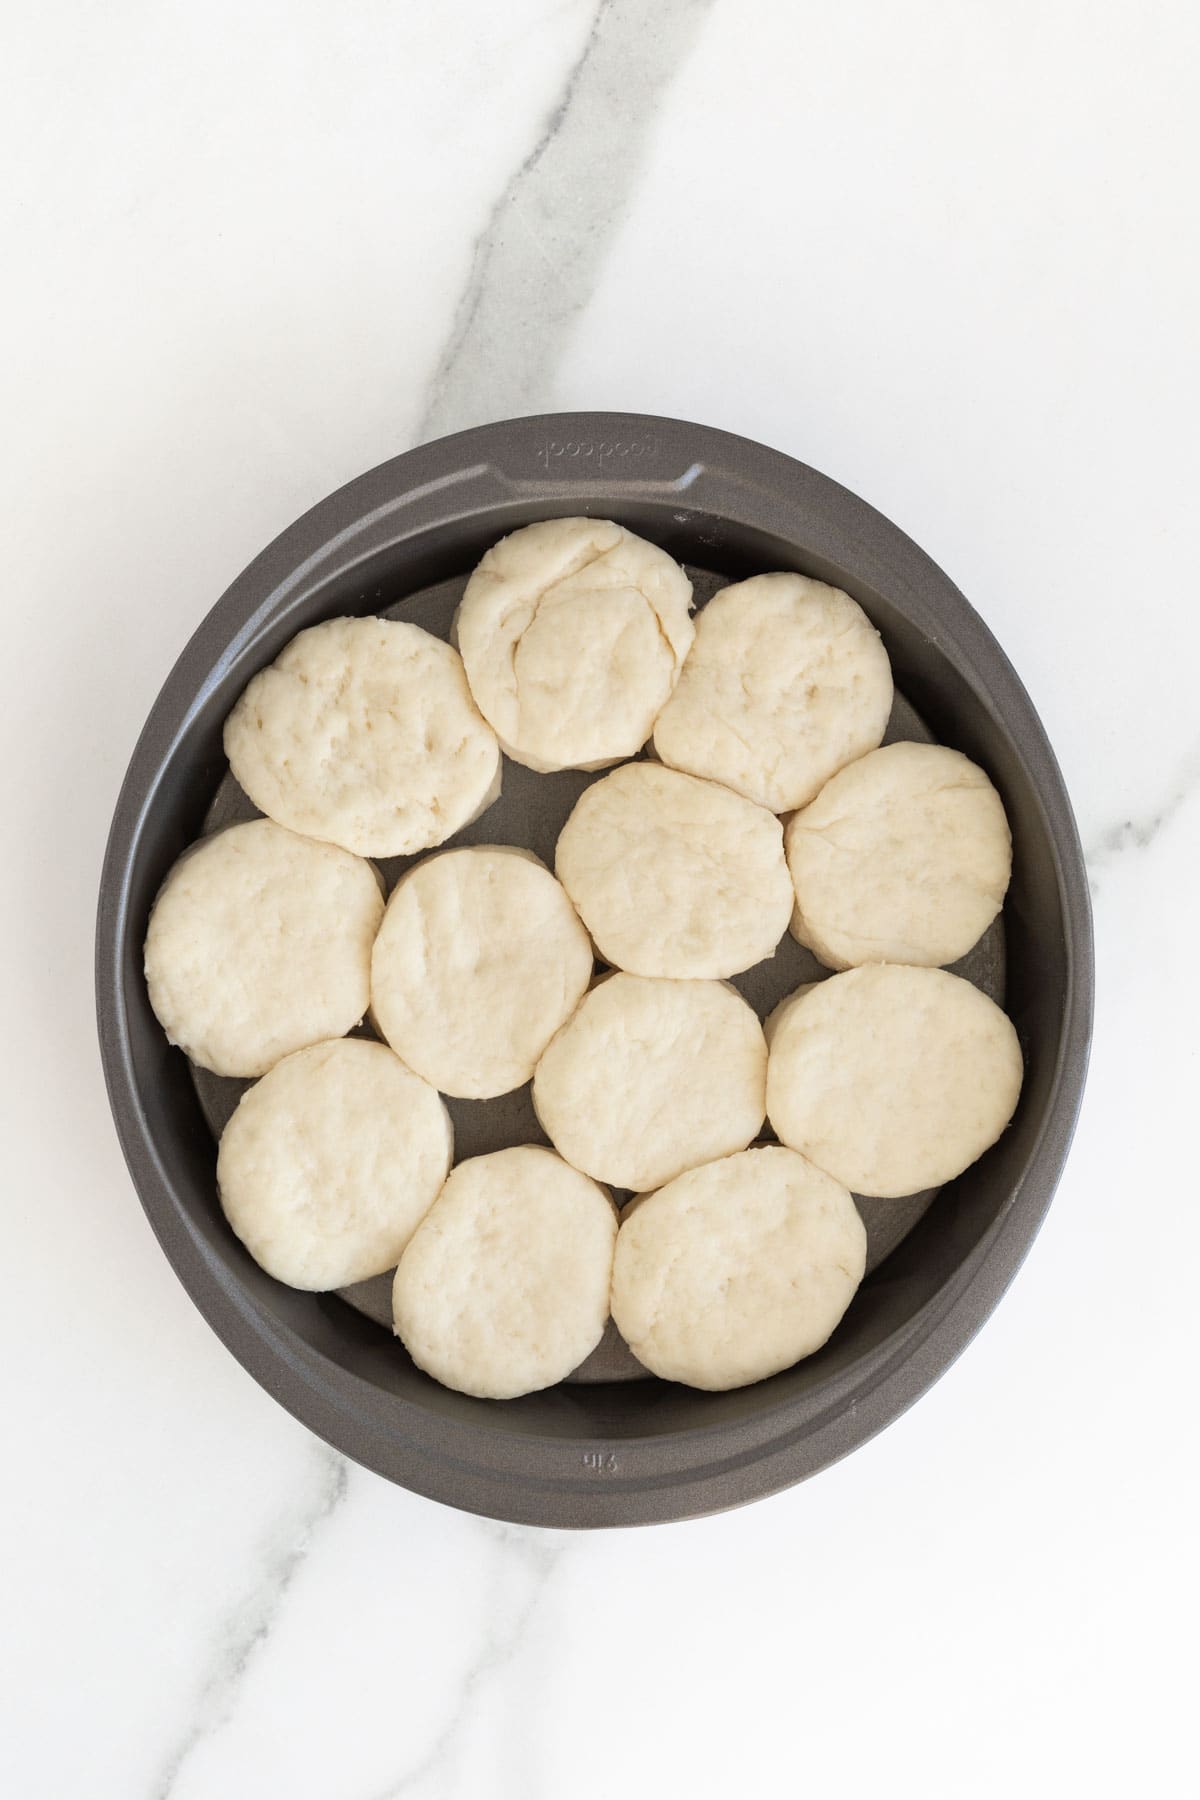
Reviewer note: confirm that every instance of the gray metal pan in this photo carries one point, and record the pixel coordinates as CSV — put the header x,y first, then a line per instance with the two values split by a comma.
x,y
603,1449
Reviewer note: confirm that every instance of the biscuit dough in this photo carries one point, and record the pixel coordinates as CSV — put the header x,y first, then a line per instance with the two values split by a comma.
x,y
479,960
673,875
260,942
787,681
364,732
650,1077
330,1162
892,1079
573,632
904,857
504,1288
737,1269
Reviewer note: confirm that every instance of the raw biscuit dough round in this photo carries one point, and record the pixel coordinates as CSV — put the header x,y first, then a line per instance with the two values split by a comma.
x,y
504,1287
737,1269
673,875
893,1079
330,1162
787,681
479,960
650,1077
260,942
573,633
904,857
364,732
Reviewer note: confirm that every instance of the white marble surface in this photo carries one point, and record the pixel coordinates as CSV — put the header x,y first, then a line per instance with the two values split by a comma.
x,y
946,253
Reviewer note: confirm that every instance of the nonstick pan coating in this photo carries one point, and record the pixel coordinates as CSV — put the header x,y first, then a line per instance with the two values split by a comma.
x,y
597,1451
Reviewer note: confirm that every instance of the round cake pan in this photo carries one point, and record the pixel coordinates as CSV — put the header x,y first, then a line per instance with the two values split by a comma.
x,y
598,1451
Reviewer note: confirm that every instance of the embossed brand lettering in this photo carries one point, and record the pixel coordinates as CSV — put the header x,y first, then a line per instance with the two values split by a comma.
x,y
565,454
600,1462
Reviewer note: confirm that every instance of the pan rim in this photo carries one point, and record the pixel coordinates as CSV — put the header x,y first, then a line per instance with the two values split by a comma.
x,y
674,1474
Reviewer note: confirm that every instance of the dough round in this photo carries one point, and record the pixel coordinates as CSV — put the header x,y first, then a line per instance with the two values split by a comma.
x,y
649,1077
737,1269
259,943
675,876
504,1287
893,1079
480,959
904,857
331,1161
787,681
363,732
573,633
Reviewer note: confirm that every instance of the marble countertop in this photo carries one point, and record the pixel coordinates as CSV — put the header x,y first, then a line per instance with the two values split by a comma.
x,y
946,254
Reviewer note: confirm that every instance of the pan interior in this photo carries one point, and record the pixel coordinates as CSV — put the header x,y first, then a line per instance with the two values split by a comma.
x,y
421,576
531,812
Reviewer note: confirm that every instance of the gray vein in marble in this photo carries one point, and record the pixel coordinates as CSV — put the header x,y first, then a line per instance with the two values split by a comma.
x,y
1139,833
535,263
526,1559
249,1626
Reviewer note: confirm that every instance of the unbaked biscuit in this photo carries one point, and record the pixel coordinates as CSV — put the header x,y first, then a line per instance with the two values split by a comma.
x,y
892,1079
650,1077
573,632
479,960
364,732
330,1162
675,876
504,1287
737,1269
904,857
787,681
260,942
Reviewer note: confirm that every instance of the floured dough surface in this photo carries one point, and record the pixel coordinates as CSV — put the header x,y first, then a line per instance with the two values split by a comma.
x,y
480,958
331,1161
786,682
364,732
737,1269
893,1079
573,632
504,1288
260,942
650,1077
675,876
903,857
